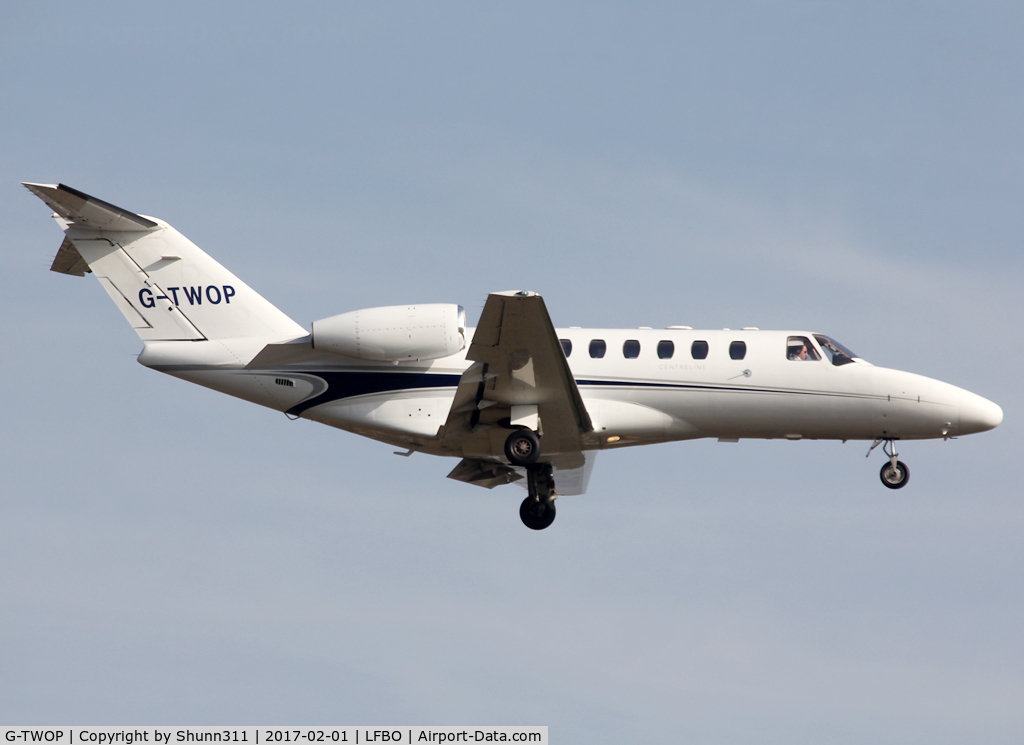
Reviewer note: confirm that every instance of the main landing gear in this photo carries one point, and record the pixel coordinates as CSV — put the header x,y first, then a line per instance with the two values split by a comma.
x,y
522,448
894,473
538,510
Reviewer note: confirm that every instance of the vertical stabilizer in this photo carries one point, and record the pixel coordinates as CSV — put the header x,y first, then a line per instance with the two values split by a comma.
x,y
165,286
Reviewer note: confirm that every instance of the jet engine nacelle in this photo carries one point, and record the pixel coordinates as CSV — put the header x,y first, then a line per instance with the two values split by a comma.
x,y
396,333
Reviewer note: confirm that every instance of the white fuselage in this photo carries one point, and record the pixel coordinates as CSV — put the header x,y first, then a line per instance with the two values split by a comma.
x,y
645,397
515,399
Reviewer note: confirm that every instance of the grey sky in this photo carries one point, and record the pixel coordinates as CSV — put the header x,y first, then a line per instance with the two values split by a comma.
x,y
170,555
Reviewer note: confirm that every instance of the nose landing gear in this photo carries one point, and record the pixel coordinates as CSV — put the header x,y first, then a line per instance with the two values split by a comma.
x,y
538,510
894,474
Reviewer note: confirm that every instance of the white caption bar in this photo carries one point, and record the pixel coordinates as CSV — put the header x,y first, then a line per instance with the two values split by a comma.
x,y
269,735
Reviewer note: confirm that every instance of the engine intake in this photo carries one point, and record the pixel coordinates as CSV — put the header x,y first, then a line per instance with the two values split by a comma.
x,y
396,333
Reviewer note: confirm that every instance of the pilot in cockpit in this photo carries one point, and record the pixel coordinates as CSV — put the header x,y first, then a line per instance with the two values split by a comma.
x,y
798,348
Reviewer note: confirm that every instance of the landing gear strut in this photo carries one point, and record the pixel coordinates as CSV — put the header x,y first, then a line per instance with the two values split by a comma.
x,y
538,510
894,473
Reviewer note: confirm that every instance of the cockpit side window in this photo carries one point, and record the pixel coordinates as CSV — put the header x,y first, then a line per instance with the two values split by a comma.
x,y
800,349
836,352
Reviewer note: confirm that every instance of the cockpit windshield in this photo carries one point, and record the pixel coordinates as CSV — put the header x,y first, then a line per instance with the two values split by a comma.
x,y
836,352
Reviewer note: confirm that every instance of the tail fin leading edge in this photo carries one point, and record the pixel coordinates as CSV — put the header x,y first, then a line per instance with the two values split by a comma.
x,y
167,287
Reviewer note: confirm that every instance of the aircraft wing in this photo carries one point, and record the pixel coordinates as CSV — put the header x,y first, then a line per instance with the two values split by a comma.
x,y
519,376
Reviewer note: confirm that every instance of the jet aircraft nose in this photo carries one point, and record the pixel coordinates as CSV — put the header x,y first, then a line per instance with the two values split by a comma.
x,y
978,414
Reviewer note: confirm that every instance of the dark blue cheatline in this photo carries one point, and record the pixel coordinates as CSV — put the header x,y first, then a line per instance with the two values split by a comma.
x,y
349,384
341,385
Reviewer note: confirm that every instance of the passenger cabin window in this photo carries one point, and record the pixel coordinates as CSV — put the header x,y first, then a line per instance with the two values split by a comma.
x,y
666,349
737,350
699,350
631,349
800,349
598,348
566,346
836,352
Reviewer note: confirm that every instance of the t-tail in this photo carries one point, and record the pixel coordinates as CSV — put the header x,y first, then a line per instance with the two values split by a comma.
x,y
165,286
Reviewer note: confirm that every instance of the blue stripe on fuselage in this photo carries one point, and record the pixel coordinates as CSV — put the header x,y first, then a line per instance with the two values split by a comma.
x,y
348,384
341,385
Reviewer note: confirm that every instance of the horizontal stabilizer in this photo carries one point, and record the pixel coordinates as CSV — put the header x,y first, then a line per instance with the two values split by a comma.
x,y
87,212
69,261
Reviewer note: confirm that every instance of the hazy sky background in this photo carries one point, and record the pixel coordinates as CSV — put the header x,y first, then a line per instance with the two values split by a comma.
x,y
169,555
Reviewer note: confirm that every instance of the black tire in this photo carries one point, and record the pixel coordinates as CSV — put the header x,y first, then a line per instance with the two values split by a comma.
x,y
535,514
522,447
894,479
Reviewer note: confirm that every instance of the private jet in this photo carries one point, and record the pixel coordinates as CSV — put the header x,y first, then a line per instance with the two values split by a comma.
x,y
515,399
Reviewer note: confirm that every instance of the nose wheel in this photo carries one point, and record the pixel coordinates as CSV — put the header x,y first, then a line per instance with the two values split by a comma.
x,y
538,510
894,473
895,476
